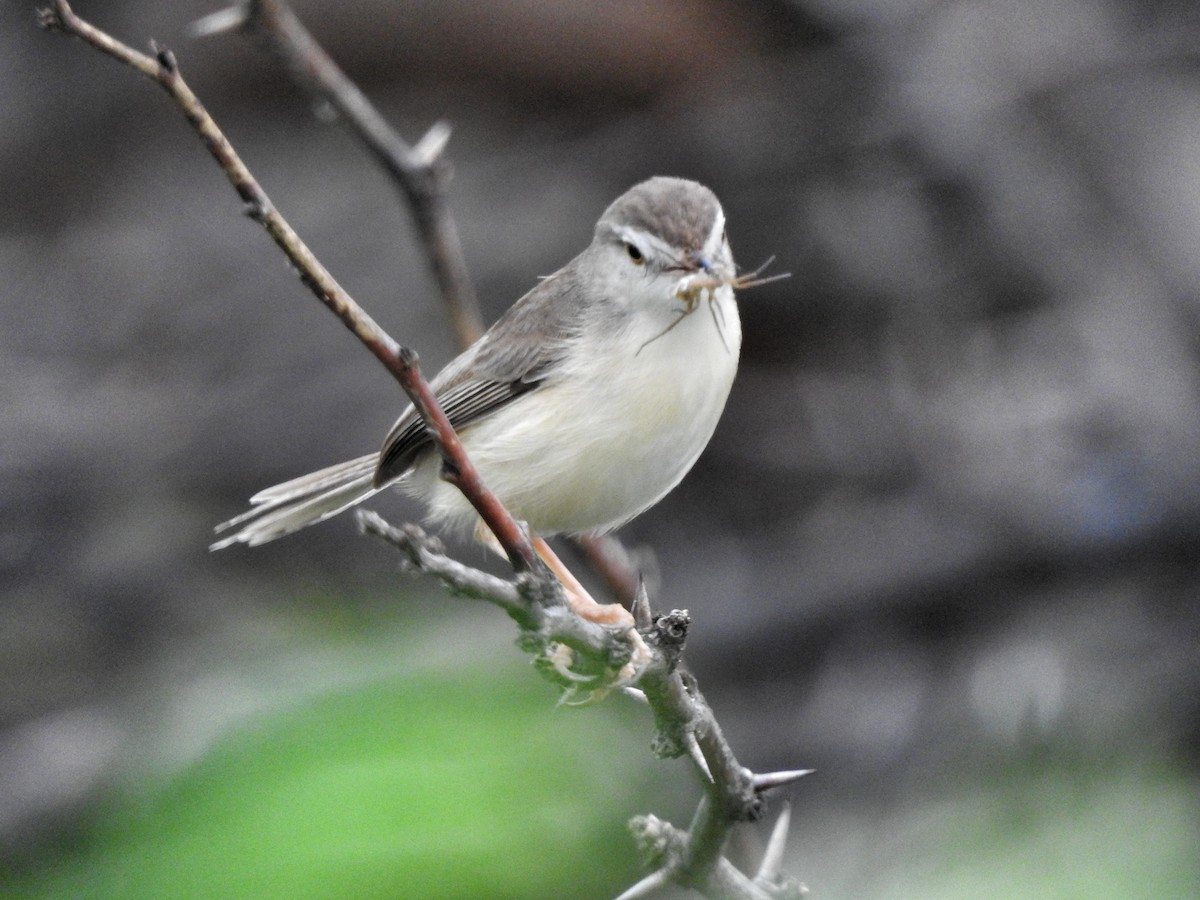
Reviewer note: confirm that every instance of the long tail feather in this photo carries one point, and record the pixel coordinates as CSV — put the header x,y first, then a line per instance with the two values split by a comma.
x,y
301,502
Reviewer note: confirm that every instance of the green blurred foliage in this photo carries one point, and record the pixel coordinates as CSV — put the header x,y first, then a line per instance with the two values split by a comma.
x,y
1068,832
402,756
426,786
1058,828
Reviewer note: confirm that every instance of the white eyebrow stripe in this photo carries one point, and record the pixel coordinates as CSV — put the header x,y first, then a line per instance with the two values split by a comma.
x,y
644,240
712,243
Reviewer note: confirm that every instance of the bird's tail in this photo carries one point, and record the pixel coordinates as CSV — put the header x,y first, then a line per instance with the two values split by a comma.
x,y
301,502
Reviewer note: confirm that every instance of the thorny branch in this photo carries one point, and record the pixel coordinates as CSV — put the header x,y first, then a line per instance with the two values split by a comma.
x,y
732,793
533,597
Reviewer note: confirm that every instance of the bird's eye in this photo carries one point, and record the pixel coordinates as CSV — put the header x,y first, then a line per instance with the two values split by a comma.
x,y
635,254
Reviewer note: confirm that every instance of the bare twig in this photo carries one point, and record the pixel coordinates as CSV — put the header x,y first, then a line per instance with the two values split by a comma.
x,y
610,559
662,846
462,473
421,171
545,620
401,362
425,553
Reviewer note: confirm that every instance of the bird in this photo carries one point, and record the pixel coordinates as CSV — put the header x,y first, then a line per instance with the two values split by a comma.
x,y
584,404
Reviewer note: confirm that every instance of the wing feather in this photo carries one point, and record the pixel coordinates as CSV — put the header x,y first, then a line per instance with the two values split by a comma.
x,y
518,353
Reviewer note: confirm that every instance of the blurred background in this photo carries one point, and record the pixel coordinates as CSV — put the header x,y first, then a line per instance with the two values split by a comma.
x,y
944,548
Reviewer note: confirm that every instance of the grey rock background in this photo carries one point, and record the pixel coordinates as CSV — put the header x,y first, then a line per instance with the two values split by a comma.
x,y
953,507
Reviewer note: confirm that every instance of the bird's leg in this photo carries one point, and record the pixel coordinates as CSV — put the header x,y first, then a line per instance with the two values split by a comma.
x,y
578,598
585,606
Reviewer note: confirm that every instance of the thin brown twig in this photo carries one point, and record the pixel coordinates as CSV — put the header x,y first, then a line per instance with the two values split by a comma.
x,y
610,559
544,620
399,361
421,171
462,473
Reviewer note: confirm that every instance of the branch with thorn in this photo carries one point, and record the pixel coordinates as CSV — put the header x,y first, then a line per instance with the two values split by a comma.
x,y
532,597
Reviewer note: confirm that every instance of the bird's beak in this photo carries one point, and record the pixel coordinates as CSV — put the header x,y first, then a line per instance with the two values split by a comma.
x,y
698,262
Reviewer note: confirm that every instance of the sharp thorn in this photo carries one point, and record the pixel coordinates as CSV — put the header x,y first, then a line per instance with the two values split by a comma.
x,y
431,145
769,780
772,861
694,751
229,19
642,615
647,886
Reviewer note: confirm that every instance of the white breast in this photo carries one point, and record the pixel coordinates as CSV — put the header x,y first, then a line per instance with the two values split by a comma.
x,y
613,433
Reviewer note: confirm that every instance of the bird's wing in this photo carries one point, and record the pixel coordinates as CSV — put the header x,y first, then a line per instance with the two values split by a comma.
x,y
517,354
